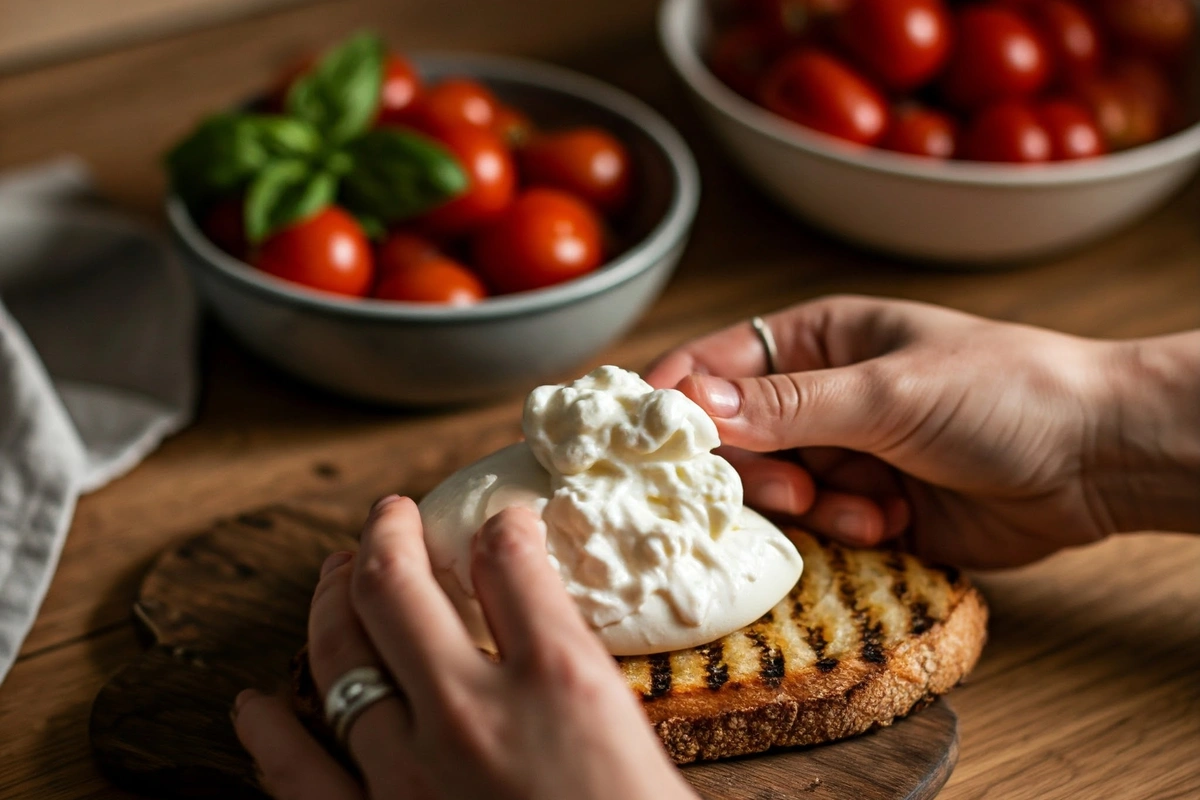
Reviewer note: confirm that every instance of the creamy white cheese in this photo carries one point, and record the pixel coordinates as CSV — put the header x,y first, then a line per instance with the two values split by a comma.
x,y
643,522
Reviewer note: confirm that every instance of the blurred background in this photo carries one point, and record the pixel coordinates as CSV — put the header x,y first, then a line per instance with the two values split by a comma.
x,y
117,81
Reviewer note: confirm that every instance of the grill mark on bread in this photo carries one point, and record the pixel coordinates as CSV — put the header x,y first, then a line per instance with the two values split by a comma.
x,y
918,610
660,676
870,630
770,656
715,668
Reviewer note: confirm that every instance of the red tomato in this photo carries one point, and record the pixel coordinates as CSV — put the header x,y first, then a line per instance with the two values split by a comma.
x,y
327,251
921,131
901,43
1006,131
1132,105
1157,28
545,237
224,225
741,55
454,102
401,90
815,89
401,87
491,175
586,162
1071,37
997,55
433,280
1072,131
512,126
402,249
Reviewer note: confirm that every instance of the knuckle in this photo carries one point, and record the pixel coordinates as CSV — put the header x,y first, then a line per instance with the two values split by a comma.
x,y
562,669
379,574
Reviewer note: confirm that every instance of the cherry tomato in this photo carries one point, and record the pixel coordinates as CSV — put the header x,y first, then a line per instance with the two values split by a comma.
x,y
1072,130
224,225
327,251
454,102
1156,28
544,238
433,280
900,43
741,55
1157,109
816,89
1007,131
491,175
586,162
400,92
921,131
1132,105
997,55
512,126
1071,37
402,249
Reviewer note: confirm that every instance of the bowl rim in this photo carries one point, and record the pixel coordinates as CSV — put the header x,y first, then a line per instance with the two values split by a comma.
x,y
674,18
666,234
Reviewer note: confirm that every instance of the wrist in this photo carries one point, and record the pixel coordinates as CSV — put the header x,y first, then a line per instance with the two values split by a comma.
x,y
1145,468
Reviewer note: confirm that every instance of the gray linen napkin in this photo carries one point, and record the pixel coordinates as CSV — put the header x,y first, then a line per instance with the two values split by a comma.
x,y
97,366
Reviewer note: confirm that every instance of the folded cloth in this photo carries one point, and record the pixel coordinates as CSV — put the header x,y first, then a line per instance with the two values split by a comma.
x,y
97,366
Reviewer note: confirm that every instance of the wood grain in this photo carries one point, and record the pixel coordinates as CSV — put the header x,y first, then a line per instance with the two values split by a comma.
x,y
1058,708
227,608
35,33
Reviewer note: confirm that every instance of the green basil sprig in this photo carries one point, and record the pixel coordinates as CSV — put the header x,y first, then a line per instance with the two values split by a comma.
x,y
322,151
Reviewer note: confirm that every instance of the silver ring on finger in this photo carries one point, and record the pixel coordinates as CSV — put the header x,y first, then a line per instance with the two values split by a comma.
x,y
351,695
767,338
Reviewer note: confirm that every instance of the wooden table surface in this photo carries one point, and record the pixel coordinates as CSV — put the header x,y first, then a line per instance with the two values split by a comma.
x,y
1091,682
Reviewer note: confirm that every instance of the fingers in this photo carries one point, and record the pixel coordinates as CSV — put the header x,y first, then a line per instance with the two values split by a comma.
x,y
770,484
405,613
528,610
291,763
835,407
337,644
825,333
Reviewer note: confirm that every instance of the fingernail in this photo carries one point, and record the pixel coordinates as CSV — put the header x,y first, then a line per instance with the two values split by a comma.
x,y
384,502
777,495
244,696
335,560
719,397
850,524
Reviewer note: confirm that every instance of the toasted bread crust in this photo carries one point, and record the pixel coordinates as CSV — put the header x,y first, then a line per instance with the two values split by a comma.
x,y
865,638
854,697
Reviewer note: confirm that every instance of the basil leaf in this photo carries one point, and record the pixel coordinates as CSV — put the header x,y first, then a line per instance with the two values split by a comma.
x,y
288,137
399,174
218,157
226,151
340,95
285,192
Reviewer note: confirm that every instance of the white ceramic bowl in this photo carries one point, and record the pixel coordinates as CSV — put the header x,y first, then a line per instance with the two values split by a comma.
x,y
958,212
419,354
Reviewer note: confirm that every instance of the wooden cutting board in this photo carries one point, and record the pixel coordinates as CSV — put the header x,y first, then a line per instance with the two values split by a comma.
x,y
226,609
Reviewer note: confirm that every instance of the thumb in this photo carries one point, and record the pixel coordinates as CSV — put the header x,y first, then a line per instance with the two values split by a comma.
x,y
821,408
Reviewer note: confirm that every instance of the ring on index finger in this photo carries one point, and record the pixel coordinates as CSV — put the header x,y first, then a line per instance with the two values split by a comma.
x,y
767,338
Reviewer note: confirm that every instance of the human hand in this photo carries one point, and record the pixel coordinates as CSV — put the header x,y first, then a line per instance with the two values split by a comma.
x,y
553,719
983,444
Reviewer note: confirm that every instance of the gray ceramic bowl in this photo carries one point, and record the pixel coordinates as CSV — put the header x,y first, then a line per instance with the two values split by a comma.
x,y
415,354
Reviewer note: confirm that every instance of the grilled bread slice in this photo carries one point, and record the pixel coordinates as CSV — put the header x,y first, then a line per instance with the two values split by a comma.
x,y
864,638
